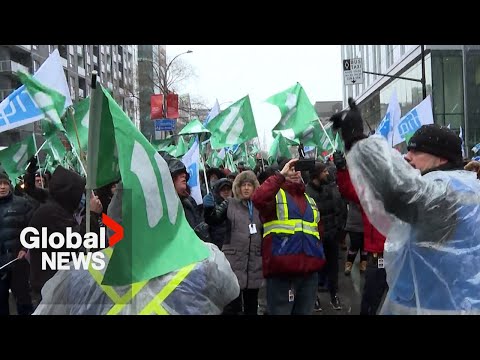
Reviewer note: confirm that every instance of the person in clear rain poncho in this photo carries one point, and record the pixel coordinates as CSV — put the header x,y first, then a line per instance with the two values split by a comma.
x,y
429,209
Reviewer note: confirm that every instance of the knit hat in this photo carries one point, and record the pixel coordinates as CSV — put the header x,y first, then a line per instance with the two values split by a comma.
x,y
438,141
4,175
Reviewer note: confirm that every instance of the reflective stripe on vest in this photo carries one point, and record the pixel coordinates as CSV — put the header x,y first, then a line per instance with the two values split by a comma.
x,y
120,301
285,226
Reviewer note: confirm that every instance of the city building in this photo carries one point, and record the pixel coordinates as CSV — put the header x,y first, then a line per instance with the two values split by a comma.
x,y
116,66
151,58
325,109
446,69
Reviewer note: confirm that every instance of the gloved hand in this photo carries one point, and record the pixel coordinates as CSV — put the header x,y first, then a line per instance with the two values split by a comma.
x,y
209,201
350,123
32,167
339,160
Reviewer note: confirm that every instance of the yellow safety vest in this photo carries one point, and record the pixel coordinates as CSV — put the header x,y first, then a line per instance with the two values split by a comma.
x,y
120,301
283,225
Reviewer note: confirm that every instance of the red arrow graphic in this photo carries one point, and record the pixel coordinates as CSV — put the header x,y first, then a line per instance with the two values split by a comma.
x,y
115,227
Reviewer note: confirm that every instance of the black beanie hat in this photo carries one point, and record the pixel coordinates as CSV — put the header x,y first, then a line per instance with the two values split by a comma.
x,y
438,141
4,175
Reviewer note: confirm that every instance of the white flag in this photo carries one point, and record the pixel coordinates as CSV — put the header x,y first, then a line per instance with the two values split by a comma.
x,y
191,160
19,109
421,114
386,128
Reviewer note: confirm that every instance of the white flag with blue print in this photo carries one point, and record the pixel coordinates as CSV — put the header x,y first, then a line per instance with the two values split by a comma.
x,y
19,109
386,128
191,160
213,112
420,115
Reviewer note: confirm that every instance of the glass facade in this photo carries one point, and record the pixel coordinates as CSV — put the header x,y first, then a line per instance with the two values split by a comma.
x,y
409,94
444,71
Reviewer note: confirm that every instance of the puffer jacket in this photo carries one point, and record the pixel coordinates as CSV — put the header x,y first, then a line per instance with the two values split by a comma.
x,y
66,189
218,230
15,214
324,198
242,249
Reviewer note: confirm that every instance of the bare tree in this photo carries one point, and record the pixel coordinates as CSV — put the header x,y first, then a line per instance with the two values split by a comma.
x,y
165,77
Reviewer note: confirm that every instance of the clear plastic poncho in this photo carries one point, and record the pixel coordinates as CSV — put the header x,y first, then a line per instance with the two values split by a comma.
x,y
432,225
206,290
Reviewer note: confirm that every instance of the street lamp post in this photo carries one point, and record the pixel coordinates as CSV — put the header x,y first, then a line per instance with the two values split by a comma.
x,y
165,82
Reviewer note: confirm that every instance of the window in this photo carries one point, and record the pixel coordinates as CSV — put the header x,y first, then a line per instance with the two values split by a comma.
x,y
35,47
71,59
36,65
51,48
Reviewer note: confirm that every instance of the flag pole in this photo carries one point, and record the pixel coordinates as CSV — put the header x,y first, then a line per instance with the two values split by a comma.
x,y
92,147
328,137
261,157
204,167
72,112
38,159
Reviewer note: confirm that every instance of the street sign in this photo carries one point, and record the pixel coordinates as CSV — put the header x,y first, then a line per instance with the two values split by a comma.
x,y
165,124
353,71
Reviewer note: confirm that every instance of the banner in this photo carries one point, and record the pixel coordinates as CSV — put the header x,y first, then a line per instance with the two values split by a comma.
x,y
156,106
172,106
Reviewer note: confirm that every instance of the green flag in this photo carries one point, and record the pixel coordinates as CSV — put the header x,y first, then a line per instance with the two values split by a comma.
x,y
50,101
157,237
228,162
339,144
232,126
14,159
162,143
214,160
324,144
181,148
80,119
279,148
194,127
102,154
297,112
55,148
408,136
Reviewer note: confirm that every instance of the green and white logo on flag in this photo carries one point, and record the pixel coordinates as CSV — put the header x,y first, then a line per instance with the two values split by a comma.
x,y
50,101
158,238
55,148
297,112
14,159
233,126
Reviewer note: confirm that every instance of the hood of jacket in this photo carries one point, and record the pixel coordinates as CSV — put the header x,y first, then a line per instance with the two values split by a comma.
x,y
240,179
66,188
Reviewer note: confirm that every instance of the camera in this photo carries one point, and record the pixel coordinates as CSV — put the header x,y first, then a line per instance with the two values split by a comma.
x,y
305,165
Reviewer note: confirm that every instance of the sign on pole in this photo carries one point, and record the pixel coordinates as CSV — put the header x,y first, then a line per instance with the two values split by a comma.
x,y
165,124
353,71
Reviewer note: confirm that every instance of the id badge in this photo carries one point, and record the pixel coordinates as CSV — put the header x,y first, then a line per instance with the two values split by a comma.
x,y
291,296
252,228
380,263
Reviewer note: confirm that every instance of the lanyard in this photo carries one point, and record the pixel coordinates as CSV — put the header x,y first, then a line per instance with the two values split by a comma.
x,y
250,210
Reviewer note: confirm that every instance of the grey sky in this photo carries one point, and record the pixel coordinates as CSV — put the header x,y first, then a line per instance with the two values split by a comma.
x,y
229,72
